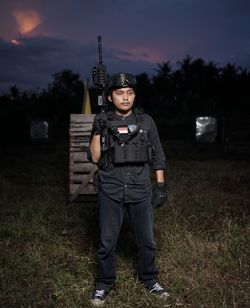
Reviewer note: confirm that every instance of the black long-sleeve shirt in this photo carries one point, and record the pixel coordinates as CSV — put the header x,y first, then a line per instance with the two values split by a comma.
x,y
132,182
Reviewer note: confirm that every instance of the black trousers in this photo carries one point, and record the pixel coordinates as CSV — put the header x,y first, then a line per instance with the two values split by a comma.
x,y
111,214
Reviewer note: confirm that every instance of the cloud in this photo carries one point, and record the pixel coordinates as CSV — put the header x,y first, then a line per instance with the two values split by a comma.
x,y
27,20
31,63
61,34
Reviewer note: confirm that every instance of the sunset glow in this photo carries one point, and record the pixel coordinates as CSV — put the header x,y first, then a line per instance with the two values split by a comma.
x,y
46,37
27,21
137,54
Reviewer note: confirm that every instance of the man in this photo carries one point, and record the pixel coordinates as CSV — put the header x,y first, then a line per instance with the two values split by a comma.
x,y
125,144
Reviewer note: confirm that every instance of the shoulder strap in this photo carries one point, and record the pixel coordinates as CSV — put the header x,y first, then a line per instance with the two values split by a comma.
x,y
138,112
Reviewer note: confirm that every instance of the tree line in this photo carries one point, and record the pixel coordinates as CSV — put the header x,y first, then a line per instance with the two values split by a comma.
x,y
174,93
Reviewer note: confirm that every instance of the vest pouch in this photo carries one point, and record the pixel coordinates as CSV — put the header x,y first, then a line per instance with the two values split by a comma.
x,y
136,153
119,154
130,153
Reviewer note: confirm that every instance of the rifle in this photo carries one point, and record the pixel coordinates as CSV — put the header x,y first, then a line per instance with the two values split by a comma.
x,y
100,77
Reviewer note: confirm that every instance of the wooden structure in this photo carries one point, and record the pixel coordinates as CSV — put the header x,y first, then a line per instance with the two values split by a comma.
x,y
81,171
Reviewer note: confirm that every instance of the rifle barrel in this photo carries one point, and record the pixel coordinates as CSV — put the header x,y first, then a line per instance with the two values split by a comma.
x,y
100,49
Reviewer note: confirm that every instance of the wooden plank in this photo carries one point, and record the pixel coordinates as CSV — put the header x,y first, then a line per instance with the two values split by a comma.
x,y
81,167
78,149
80,129
78,118
78,143
88,190
82,143
82,126
79,139
78,133
84,129
78,157
82,147
78,178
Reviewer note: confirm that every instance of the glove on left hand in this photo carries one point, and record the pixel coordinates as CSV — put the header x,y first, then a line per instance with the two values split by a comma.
x,y
100,122
160,194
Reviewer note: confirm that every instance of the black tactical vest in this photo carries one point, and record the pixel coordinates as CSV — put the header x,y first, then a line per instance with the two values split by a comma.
x,y
127,144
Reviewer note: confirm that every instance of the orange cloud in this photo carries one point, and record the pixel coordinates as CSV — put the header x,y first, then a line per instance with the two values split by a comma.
x,y
26,20
138,53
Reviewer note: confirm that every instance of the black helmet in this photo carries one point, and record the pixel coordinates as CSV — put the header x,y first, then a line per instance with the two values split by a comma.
x,y
121,80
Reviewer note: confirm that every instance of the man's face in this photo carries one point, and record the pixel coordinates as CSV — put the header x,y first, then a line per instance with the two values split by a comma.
x,y
123,99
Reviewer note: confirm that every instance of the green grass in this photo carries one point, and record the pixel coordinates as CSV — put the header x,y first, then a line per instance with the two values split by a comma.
x,y
48,247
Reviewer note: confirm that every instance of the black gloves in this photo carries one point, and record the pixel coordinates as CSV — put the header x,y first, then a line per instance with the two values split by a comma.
x,y
160,194
100,122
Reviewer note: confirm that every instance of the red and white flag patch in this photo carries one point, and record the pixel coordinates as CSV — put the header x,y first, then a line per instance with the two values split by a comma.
x,y
122,129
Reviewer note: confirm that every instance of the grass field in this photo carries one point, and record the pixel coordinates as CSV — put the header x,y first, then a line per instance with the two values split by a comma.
x,y
48,247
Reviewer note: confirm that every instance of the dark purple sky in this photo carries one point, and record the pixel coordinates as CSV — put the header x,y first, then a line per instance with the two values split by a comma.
x,y
40,37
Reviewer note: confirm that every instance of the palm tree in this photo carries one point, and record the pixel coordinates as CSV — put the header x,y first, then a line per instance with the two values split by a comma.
x,y
14,93
144,92
163,88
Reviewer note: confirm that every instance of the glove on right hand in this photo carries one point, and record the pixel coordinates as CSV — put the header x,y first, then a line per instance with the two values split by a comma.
x,y
160,195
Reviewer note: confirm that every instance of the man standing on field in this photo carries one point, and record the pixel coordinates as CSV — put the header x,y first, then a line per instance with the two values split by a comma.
x,y
125,184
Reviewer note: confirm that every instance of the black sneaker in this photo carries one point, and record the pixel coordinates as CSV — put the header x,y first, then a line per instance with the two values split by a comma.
x,y
158,290
98,297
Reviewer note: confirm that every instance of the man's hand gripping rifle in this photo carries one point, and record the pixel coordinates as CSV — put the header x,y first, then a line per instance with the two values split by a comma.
x,y
99,80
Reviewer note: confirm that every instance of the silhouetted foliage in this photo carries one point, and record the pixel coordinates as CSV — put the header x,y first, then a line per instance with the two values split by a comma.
x,y
194,87
66,94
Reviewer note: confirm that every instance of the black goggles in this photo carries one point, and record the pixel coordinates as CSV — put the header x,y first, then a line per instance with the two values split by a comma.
x,y
122,81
